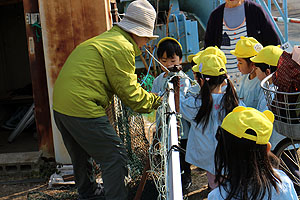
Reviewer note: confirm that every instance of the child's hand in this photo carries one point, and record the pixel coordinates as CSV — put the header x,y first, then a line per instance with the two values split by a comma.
x,y
172,68
175,68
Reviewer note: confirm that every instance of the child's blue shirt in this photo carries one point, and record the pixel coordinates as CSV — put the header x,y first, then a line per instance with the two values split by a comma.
x,y
249,91
201,145
286,190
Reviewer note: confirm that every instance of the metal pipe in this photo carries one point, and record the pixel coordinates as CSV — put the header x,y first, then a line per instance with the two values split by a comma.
x,y
263,4
291,20
157,60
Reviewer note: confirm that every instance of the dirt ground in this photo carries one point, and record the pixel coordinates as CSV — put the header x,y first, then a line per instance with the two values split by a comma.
x,y
19,188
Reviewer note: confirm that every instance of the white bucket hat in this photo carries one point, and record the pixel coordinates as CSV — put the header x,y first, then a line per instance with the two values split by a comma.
x,y
139,19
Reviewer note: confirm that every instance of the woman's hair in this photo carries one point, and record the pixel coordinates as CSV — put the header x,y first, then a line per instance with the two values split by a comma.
x,y
243,168
263,67
228,103
170,47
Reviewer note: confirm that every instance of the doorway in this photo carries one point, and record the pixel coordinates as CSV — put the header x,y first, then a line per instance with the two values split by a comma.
x,y
15,80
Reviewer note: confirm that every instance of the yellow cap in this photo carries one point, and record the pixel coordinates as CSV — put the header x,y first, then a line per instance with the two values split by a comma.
x,y
210,50
242,119
246,47
268,55
191,57
168,38
211,65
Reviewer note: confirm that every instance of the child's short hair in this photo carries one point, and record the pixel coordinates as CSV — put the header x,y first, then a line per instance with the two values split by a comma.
x,y
263,67
169,45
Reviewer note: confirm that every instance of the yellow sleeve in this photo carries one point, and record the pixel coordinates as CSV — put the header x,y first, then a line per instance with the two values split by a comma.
x,y
120,72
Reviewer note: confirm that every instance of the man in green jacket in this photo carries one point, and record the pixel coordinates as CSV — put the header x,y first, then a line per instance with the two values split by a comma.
x,y
96,70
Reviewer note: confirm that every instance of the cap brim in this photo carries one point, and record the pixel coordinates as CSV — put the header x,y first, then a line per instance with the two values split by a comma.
x,y
195,68
255,60
131,30
233,53
190,57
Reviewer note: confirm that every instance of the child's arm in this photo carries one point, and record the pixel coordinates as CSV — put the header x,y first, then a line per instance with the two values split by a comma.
x,y
188,107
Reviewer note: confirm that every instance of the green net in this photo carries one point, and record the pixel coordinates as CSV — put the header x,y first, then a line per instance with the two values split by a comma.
x,y
129,125
146,81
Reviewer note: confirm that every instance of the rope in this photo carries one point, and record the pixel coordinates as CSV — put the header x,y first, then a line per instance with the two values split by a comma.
x,y
145,78
38,27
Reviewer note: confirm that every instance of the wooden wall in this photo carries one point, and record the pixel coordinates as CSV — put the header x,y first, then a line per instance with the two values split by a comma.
x,y
65,24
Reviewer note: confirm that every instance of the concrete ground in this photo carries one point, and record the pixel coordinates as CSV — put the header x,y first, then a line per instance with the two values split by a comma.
x,y
293,28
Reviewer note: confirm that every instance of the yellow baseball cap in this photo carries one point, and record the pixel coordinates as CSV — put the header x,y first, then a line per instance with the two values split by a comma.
x,y
191,57
210,50
211,65
246,47
268,55
244,118
168,38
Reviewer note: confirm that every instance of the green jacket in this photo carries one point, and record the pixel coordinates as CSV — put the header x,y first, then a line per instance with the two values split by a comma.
x,y
96,70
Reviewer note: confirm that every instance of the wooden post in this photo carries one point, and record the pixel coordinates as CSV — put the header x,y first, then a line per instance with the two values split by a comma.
x,y
176,83
39,83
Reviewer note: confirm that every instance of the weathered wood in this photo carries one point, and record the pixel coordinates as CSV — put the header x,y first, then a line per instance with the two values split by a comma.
x,y
66,24
39,83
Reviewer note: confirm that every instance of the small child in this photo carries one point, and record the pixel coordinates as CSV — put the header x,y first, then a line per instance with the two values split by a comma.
x,y
266,63
206,110
249,89
243,159
193,59
169,53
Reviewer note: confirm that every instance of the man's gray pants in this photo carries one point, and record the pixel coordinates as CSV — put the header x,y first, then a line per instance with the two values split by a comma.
x,y
96,138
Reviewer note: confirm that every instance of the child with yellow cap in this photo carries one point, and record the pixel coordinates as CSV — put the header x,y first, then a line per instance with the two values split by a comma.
x,y
249,87
169,53
193,59
243,159
206,110
266,63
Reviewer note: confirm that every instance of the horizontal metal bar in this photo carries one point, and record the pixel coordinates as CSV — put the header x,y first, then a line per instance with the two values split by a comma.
x,y
290,20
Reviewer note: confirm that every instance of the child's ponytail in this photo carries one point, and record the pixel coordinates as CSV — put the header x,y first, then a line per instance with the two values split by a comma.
x,y
207,102
230,98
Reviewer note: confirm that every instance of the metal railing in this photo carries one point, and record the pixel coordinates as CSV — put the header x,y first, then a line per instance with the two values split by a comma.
x,y
174,190
282,18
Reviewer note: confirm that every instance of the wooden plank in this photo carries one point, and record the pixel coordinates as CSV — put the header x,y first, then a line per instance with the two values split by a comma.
x,y
39,83
65,24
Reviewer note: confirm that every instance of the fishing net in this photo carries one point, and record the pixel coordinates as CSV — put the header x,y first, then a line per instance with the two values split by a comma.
x,y
129,125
